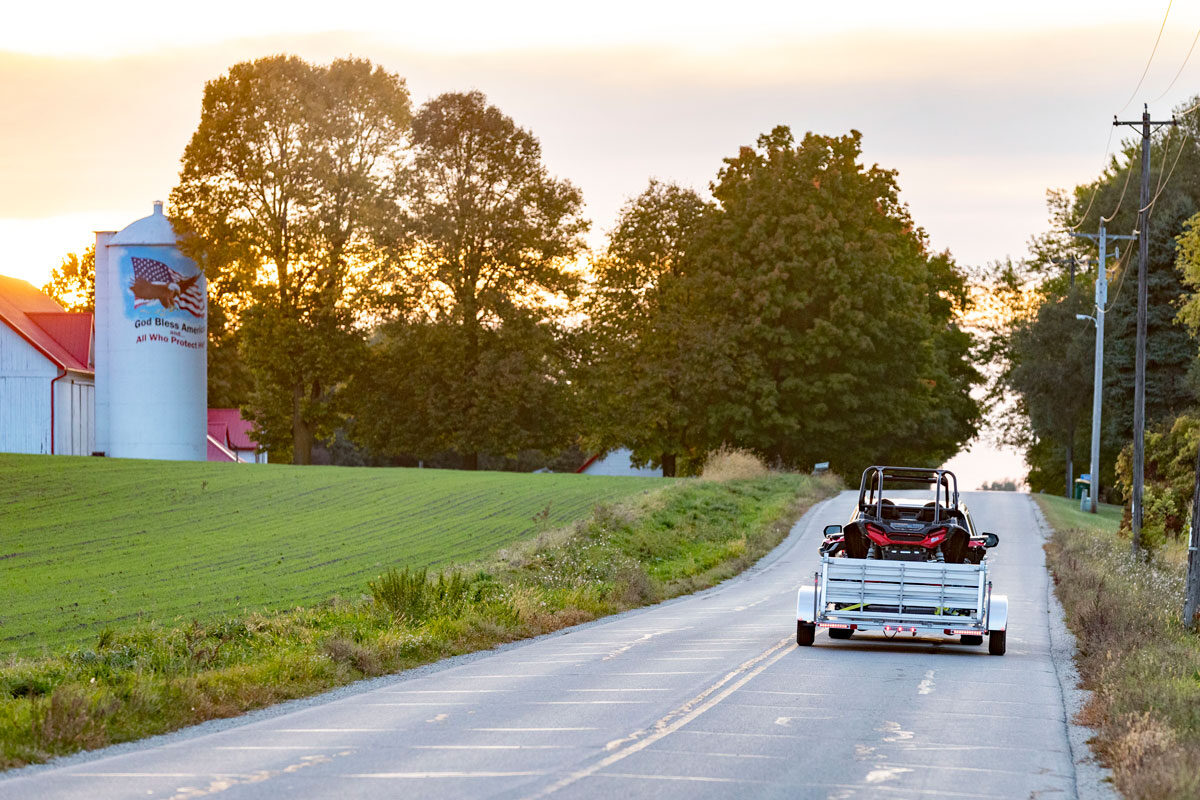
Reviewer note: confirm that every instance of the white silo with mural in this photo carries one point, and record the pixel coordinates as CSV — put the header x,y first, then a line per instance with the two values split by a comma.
x,y
151,345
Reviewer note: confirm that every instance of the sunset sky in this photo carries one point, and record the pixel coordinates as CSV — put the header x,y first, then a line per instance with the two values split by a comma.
x,y
980,107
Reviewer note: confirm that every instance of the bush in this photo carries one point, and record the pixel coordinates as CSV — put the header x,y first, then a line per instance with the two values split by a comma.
x,y
410,596
733,464
1170,473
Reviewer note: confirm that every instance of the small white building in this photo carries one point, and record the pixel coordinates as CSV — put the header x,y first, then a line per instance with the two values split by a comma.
x,y
616,462
47,374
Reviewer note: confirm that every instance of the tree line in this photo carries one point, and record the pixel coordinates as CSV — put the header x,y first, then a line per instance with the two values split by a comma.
x,y
1044,354
391,284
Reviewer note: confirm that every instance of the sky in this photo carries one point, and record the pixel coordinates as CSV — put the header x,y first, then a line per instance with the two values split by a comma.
x,y
981,108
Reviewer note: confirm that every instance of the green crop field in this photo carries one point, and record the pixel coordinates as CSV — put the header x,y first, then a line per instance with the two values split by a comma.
x,y
87,543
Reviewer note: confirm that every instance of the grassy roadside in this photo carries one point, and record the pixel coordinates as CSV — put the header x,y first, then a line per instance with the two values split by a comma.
x,y
1134,654
148,679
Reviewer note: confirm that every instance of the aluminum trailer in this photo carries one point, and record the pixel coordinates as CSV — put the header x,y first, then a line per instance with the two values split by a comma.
x,y
915,597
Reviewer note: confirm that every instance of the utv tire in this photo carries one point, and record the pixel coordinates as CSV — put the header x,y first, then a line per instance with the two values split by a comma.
x,y
841,633
997,642
968,638
805,633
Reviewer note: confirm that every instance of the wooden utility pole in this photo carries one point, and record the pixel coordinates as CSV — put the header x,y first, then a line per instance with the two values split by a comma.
x,y
1139,385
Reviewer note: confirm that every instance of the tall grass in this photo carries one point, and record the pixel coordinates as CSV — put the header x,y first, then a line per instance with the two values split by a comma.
x,y
1142,666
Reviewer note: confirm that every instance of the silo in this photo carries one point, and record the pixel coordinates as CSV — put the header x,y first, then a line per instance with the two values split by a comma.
x,y
152,303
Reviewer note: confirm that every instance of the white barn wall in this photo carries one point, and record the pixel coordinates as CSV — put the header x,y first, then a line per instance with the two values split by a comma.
x,y
74,421
25,376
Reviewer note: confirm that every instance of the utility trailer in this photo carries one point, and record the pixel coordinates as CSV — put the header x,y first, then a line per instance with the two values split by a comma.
x,y
924,598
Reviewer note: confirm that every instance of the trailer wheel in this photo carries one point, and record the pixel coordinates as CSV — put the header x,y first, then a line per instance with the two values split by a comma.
x,y
997,643
805,633
841,633
968,638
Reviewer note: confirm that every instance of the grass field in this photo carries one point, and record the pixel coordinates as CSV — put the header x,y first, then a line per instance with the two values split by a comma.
x,y
87,543
1063,513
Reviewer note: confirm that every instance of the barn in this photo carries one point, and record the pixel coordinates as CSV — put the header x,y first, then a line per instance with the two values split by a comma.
x,y
231,438
47,374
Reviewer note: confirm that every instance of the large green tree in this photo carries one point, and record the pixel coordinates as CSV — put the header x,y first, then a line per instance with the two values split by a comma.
x,y
837,334
477,355
646,374
286,200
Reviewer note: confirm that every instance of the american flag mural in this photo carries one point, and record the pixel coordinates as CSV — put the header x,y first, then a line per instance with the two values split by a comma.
x,y
155,282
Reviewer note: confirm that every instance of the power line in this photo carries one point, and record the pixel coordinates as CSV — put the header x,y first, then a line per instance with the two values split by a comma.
x,y
1162,184
1096,188
1166,151
1121,199
1150,60
1181,66
1119,267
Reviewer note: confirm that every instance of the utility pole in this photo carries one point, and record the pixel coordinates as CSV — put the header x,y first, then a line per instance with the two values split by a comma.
x,y
1139,385
1101,239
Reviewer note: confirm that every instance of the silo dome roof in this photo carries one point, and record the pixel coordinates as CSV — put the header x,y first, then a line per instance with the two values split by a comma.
x,y
154,229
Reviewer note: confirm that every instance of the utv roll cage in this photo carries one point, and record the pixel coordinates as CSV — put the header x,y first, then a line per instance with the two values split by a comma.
x,y
877,480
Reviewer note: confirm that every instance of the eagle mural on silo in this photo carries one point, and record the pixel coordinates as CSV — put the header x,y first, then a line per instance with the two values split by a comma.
x,y
155,281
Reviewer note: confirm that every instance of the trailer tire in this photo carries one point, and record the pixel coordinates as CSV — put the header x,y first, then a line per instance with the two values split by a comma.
x,y
997,642
969,638
805,633
841,633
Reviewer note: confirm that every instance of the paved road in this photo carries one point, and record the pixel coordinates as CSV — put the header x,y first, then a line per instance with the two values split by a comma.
x,y
707,696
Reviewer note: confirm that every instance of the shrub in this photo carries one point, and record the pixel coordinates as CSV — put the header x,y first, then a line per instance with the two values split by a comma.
x,y
732,464
411,596
1170,472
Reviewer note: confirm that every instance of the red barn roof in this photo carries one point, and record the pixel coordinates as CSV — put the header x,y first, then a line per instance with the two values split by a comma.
x,y
63,337
227,427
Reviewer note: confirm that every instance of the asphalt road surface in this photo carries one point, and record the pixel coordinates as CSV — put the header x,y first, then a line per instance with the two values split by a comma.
x,y
705,696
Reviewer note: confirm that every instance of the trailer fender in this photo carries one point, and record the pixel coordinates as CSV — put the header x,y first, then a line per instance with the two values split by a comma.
x,y
805,599
998,613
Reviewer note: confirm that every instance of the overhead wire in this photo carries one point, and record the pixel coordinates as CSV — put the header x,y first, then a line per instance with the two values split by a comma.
x,y
1150,60
1121,262
1096,188
1195,39
1124,189
1162,183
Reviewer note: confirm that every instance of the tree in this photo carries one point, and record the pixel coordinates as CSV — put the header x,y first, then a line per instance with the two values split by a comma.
x,y
833,344
73,282
490,240
646,374
285,200
1050,370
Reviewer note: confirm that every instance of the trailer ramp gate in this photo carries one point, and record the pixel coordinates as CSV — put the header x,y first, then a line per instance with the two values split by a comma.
x,y
902,595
